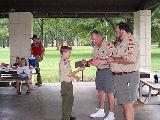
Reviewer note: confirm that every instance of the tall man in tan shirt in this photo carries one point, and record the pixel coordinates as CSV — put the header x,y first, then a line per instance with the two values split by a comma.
x,y
125,69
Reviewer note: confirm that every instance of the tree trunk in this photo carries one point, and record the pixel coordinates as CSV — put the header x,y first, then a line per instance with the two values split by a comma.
x,y
41,25
7,42
57,44
0,43
52,43
77,41
159,44
3,44
45,40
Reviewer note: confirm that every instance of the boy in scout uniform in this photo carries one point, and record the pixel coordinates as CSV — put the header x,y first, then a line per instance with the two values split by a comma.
x,y
66,77
104,84
125,69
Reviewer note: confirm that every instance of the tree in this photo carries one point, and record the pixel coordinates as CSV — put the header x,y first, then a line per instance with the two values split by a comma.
x,y
4,33
156,26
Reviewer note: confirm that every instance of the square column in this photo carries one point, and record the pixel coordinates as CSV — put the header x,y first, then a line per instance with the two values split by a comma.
x,y
142,33
20,32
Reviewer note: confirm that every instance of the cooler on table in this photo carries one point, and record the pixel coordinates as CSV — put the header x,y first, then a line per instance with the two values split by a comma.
x,y
32,61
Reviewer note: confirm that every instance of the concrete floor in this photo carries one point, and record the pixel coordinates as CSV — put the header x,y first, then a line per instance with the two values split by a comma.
x,y
44,103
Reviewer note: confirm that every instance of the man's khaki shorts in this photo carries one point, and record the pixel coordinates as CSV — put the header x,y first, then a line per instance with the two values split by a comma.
x,y
104,80
126,87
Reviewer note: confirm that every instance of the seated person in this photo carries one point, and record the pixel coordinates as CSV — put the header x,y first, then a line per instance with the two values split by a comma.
x,y
16,64
3,65
24,73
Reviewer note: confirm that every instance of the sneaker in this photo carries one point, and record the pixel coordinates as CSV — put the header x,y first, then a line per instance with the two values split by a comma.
x,y
110,116
99,113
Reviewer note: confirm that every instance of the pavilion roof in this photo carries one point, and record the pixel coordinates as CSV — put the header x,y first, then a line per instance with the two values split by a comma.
x,y
76,8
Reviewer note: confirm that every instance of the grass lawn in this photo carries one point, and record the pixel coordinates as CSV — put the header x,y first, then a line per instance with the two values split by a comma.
x,y
49,66
155,56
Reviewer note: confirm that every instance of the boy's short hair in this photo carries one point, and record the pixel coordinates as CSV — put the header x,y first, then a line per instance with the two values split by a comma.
x,y
18,58
123,26
64,49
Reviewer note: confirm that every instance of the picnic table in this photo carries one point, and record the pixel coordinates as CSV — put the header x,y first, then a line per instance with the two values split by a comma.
x,y
147,79
8,75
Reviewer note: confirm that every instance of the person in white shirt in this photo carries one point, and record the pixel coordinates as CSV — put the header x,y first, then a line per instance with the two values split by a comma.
x,y
24,73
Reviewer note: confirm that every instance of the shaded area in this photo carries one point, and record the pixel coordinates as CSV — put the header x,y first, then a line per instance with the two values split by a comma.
x,y
44,103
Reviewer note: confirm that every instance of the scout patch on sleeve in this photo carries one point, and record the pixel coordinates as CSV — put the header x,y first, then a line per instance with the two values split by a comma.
x,y
131,45
65,61
110,47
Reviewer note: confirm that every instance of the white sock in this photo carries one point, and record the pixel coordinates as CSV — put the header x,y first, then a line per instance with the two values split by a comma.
x,y
111,113
101,110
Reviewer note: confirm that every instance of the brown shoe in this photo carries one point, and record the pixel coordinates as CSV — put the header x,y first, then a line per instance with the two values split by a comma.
x,y
28,92
72,118
18,92
38,84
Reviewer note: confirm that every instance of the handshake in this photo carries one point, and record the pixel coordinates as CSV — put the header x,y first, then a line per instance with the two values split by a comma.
x,y
94,62
83,63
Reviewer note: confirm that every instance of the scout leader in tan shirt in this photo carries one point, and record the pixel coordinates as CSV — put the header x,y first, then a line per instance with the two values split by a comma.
x,y
125,70
104,83
102,52
126,51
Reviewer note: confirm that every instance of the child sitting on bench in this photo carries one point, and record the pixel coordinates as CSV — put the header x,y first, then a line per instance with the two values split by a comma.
x,y
24,73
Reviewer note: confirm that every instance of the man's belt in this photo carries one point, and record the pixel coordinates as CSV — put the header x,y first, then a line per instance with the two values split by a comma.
x,y
121,73
101,69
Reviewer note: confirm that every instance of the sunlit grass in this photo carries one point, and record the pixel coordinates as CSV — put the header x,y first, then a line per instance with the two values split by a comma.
x,y
49,66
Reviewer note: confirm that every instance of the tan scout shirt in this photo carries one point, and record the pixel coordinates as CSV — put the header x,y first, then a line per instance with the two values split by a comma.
x,y
64,70
102,52
128,49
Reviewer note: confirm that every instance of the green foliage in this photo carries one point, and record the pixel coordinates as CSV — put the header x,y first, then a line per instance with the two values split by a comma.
x,y
155,58
156,25
4,33
69,29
